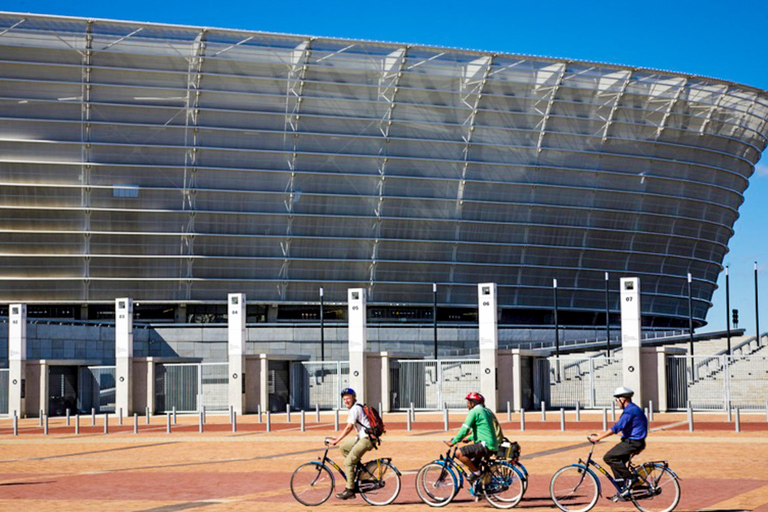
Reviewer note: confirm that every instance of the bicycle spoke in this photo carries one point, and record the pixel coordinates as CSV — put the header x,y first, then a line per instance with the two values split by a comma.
x,y
573,489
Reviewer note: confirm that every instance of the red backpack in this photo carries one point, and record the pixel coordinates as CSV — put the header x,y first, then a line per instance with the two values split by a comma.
x,y
377,424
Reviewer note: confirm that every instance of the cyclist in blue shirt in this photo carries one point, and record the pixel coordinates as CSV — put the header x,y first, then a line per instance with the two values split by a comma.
x,y
633,426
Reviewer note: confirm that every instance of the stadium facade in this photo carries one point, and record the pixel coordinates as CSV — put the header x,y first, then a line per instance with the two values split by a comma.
x,y
176,164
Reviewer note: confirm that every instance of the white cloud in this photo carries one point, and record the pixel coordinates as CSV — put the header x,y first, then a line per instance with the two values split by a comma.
x,y
761,169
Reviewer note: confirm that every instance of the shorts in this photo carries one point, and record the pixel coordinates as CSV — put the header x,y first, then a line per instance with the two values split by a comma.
x,y
476,452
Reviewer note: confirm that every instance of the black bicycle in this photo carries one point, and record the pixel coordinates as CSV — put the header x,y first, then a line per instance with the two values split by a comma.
x,y
377,481
575,488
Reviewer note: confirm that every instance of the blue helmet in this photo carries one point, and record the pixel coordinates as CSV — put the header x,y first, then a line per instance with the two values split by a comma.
x,y
348,391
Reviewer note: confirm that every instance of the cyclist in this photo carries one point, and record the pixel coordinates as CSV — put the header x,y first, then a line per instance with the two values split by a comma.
x,y
483,424
633,426
354,448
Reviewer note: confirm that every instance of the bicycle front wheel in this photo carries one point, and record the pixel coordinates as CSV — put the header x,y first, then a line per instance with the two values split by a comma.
x,y
659,491
574,489
436,484
379,484
311,484
503,487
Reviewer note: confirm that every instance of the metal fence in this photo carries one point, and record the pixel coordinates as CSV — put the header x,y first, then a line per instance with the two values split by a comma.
x,y
564,381
191,386
717,382
433,384
318,383
4,390
96,389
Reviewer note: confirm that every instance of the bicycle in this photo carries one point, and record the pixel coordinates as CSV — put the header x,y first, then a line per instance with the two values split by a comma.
x,y
377,481
438,482
575,488
509,452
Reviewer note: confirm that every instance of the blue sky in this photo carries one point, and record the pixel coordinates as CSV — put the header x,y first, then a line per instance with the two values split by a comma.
x,y
713,38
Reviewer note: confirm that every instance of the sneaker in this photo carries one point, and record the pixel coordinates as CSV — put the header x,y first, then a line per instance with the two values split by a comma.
x,y
472,477
347,494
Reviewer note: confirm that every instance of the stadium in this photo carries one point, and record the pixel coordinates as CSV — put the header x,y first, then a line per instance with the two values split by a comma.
x,y
175,166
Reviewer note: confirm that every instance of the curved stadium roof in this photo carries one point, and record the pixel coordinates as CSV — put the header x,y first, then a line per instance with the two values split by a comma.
x,y
176,164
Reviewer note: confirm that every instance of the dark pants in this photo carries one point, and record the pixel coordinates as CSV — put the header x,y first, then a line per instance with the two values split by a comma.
x,y
618,456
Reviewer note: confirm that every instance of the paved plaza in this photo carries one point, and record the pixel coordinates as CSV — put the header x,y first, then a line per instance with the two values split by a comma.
x,y
218,470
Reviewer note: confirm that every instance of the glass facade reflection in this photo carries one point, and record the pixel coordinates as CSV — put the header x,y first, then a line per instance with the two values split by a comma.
x,y
176,164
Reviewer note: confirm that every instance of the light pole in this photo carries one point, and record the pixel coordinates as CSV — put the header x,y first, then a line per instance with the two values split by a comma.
x,y
434,314
728,308
322,327
690,315
757,313
607,319
557,333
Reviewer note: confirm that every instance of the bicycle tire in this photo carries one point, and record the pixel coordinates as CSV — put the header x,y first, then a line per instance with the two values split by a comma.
x,y
436,484
659,490
574,489
524,472
312,484
504,488
383,487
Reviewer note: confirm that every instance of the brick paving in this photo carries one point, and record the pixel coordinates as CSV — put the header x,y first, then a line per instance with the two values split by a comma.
x,y
219,470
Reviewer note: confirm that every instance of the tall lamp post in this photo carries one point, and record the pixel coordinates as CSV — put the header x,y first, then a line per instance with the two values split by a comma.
x,y
434,314
557,334
728,308
690,315
757,313
322,327
607,319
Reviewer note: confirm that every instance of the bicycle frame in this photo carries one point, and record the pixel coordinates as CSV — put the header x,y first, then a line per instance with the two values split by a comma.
x,y
360,468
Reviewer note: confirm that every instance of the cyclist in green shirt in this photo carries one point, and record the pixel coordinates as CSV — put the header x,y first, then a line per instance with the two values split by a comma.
x,y
483,424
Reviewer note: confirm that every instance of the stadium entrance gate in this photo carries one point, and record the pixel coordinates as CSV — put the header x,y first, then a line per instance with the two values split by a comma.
x,y
96,389
717,382
590,381
191,386
315,383
433,384
4,389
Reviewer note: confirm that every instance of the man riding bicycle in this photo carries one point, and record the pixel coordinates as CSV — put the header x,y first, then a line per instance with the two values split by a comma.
x,y
354,448
633,426
484,426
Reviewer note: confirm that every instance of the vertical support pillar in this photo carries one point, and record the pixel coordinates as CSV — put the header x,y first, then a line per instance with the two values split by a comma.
x,y
124,354
489,343
17,359
358,340
661,375
517,380
236,343
385,383
264,383
631,335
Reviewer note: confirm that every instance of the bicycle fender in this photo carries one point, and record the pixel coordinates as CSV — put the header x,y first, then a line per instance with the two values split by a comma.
x,y
670,470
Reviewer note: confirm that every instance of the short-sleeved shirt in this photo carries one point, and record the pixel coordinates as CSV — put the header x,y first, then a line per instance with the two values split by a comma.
x,y
632,423
356,416
481,422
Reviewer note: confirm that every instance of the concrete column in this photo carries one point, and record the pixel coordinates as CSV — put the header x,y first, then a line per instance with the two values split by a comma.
x,y
124,355
358,340
43,389
631,336
264,383
517,380
17,359
385,383
236,344
489,343
180,314
661,374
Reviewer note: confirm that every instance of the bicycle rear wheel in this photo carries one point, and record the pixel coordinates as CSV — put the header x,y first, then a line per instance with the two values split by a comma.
x,y
379,483
503,486
574,489
659,491
311,484
436,484
523,472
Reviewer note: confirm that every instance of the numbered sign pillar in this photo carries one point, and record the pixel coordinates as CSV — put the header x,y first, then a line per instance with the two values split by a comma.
x,y
488,330
236,343
358,340
124,355
17,358
631,336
